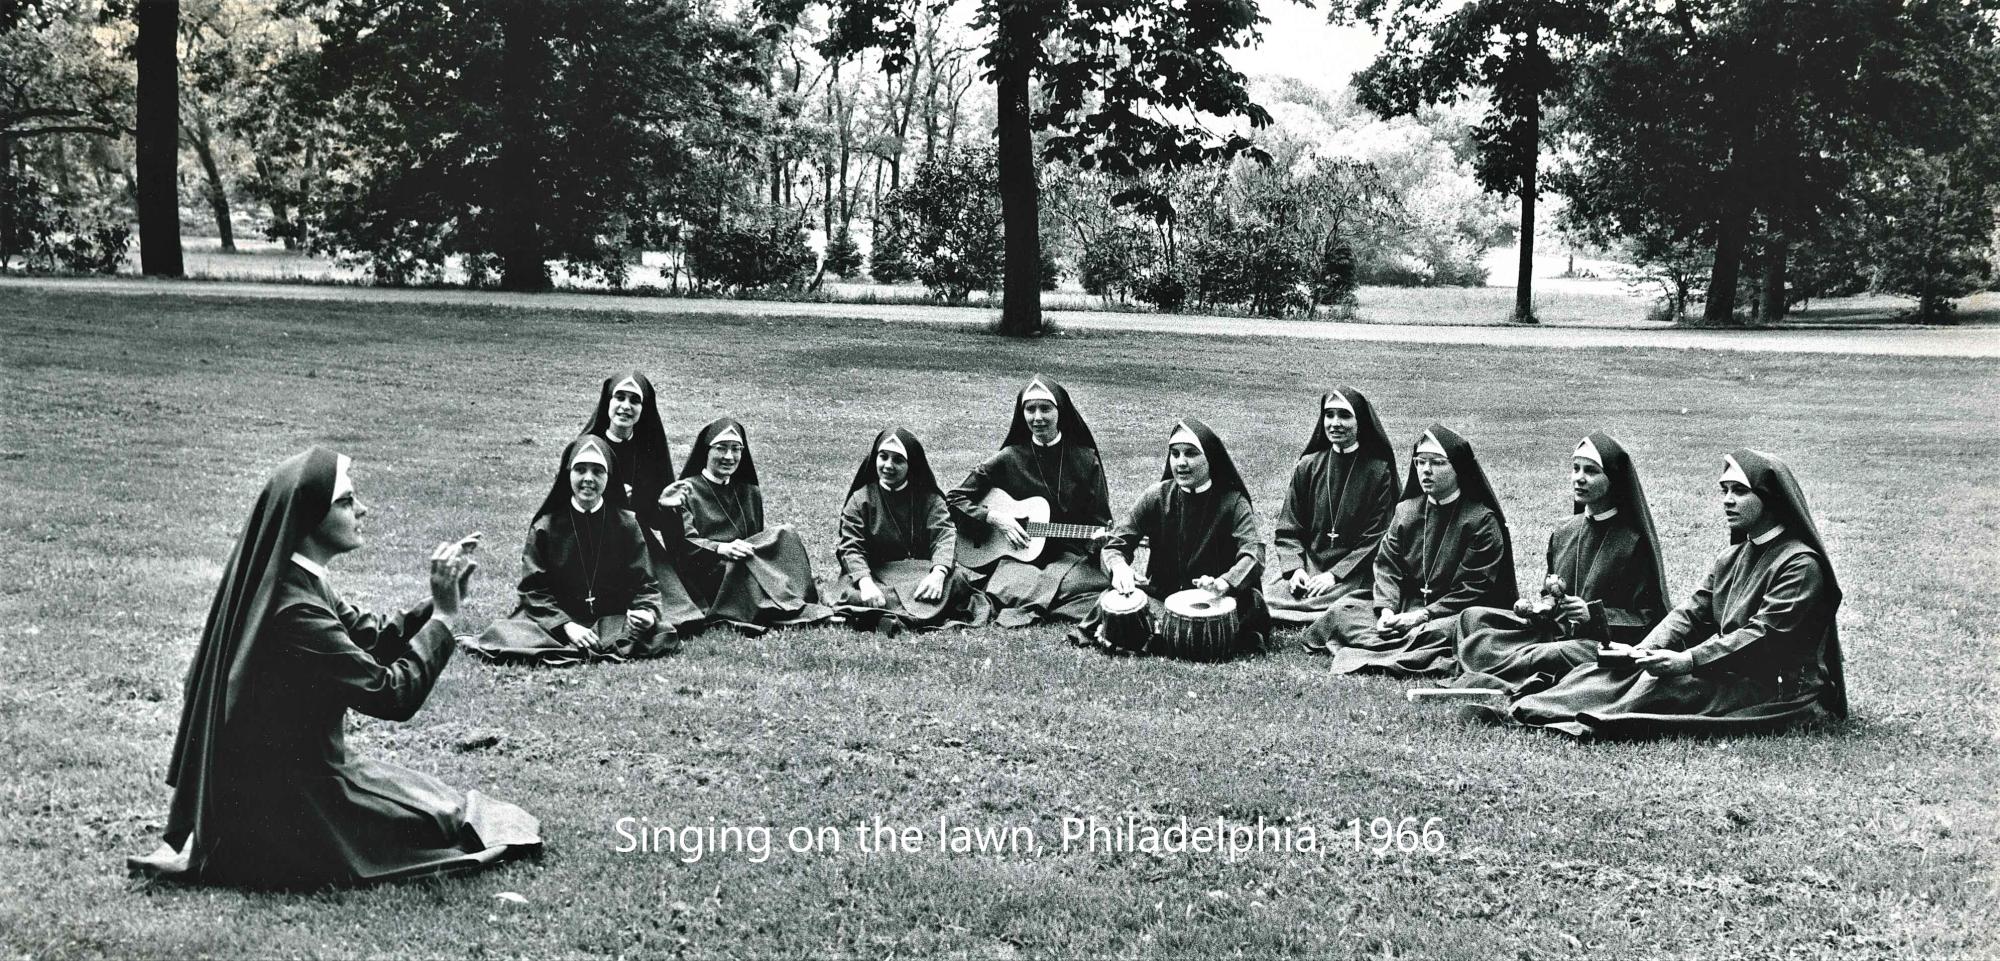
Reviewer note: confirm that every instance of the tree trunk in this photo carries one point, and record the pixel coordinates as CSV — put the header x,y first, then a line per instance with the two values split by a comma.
x,y
6,208
1776,305
158,154
1021,284
1720,310
218,198
1524,276
523,266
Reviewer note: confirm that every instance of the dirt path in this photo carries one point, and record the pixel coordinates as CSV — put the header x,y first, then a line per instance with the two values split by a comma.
x,y
1970,342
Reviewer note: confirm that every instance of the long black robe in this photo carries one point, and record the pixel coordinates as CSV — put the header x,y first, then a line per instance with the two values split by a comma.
x,y
1442,559
1337,507
588,569
650,473
1213,533
773,587
897,538
265,793
1758,628
1607,563
1064,581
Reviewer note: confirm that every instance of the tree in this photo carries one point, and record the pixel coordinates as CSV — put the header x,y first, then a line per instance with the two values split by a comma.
x,y
947,220
1517,51
1935,228
513,134
1110,72
159,128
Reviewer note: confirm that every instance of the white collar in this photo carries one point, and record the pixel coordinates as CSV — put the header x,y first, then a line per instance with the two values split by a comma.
x,y
1349,449
577,505
718,481
311,566
1449,500
1203,489
611,433
1768,536
905,483
1607,515
1038,441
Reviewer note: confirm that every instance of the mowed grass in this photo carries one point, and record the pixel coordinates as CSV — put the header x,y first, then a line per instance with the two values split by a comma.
x,y
138,432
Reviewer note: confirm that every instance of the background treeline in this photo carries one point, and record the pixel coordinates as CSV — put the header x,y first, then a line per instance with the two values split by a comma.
x,y
1745,154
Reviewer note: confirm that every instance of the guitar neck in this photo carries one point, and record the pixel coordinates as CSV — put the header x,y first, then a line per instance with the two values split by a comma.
x,y
1060,531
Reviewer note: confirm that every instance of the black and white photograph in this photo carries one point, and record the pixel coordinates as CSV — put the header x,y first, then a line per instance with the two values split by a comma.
x,y
1000,479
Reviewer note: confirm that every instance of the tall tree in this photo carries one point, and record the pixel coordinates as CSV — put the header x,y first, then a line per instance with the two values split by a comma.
x,y
1517,51
159,129
1110,73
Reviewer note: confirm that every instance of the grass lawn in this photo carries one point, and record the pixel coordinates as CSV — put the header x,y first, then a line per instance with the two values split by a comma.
x,y
137,432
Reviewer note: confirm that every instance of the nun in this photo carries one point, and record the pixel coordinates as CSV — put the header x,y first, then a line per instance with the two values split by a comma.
x,y
1049,453
739,571
587,589
1753,649
1338,505
896,545
1446,549
1203,533
627,416
266,793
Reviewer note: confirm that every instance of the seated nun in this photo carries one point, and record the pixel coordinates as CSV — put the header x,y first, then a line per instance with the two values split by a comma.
x,y
739,571
1338,504
1203,536
1604,583
1447,549
266,793
896,545
587,588
1753,649
627,416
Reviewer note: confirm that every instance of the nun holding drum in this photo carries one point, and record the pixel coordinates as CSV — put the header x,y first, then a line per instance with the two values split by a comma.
x,y
1446,550
1201,596
1754,648
897,545
1604,584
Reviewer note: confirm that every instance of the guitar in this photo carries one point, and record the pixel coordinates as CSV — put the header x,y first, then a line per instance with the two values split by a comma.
x,y
980,548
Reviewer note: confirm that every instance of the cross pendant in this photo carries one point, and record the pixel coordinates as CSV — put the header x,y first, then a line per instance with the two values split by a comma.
x,y
590,600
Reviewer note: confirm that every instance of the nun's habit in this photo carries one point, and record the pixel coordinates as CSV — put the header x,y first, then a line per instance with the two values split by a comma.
x,y
1610,559
897,538
265,792
1760,629
647,464
1064,581
581,567
1440,558
1208,531
775,585
1337,507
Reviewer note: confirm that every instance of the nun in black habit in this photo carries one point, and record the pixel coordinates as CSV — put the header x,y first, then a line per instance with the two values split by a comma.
x,y
587,589
1753,649
1338,505
1606,556
628,417
1203,533
1446,549
738,570
897,543
1048,453
265,792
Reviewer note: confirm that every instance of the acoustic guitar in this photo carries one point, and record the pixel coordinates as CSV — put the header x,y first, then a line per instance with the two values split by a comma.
x,y
981,547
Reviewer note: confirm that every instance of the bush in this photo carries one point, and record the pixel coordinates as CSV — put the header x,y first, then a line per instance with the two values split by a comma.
x,y
949,223
1162,290
843,255
52,237
888,262
749,256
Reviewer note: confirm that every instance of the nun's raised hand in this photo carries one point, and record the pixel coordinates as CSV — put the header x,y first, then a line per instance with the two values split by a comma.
x,y
448,568
674,495
466,546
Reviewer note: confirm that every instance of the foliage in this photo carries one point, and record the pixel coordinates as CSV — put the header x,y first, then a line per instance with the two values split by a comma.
x,y
948,222
744,254
888,257
1935,228
843,255
51,235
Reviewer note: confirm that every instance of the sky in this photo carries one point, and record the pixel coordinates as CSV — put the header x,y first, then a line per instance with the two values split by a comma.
x,y
1298,42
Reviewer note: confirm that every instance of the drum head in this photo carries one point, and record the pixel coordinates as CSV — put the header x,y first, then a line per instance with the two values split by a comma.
x,y
1197,603
1122,602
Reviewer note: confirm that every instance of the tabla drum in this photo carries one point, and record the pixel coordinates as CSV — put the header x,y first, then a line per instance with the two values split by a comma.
x,y
1124,620
1199,626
